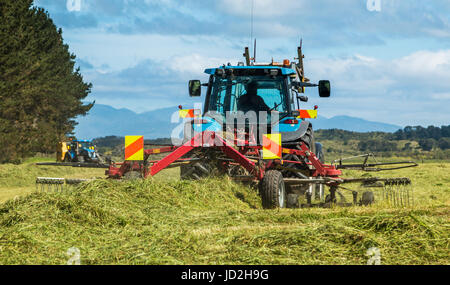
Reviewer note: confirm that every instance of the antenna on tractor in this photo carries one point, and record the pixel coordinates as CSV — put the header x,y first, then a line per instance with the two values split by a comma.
x,y
251,23
247,56
254,52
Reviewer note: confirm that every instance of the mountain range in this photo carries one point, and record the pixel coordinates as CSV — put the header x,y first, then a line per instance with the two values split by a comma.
x,y
104,120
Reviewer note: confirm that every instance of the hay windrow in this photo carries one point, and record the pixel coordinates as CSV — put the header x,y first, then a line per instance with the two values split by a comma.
x,y
214,221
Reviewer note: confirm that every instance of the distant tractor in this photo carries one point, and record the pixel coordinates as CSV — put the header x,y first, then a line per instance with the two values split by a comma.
x,y
77,151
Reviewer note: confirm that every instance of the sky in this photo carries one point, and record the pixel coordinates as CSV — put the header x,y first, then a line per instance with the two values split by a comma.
x,y
387,60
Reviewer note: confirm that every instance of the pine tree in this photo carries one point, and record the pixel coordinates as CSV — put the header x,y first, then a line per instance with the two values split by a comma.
x,y
40,89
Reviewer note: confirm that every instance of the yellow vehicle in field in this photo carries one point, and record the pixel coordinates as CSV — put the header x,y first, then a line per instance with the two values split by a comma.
x,y
77,151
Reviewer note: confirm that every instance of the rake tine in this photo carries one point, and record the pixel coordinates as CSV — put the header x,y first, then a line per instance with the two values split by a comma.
x,y
393,195
402,193
397,196
394,191
406,190
390,195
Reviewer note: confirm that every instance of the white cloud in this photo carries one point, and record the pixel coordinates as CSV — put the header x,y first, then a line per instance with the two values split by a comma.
x,y
419,70
425,65
195,64
261,8
441,96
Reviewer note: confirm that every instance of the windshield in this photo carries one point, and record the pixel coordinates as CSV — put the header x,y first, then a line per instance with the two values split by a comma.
x,y
86,145
244,93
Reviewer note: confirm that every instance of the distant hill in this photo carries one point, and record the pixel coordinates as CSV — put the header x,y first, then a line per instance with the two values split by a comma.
x,y
104,120
353,124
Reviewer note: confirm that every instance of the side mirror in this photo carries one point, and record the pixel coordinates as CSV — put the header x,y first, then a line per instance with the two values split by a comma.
x,y
324,88
195,88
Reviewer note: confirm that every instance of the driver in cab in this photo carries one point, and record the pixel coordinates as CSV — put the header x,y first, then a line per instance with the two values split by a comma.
x,y
251,101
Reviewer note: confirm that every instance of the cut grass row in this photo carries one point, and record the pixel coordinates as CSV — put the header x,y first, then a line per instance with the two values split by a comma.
x,y
216,221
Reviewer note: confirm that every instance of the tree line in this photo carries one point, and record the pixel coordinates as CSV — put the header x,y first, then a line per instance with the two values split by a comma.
x,y
419,140
41,91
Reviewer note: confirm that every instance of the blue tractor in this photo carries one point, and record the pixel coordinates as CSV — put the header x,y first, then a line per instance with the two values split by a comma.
x,y
273,88
78,151
252,128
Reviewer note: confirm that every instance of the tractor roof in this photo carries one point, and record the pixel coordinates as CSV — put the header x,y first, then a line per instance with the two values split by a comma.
x,y
284,70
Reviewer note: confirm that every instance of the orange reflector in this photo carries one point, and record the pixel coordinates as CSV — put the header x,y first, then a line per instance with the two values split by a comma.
x,y
134,147
189,113
308,114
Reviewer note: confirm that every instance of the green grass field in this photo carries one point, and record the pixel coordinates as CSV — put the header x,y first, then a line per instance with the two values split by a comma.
x,y
166,221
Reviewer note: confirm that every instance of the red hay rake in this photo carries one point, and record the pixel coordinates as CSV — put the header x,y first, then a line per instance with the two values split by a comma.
x,y
281,181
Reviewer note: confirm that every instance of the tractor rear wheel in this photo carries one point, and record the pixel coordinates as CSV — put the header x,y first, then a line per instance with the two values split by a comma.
x,y
308,139
273,191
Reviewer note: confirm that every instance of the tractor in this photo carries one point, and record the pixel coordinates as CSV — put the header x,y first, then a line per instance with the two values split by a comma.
x,y
77,151
252,128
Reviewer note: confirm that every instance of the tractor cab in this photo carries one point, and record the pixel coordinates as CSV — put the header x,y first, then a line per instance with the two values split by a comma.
x,y
245,89
258,94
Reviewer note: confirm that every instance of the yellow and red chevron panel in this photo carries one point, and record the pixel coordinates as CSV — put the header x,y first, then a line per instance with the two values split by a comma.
x,y
134,147
271,146
189,113
308,114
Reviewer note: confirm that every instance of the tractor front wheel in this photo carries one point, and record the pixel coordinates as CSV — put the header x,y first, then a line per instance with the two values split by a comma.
x,y
67,158
273,191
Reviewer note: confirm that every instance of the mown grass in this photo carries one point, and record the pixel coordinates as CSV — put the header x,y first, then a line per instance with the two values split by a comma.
x,y
216,221
16,180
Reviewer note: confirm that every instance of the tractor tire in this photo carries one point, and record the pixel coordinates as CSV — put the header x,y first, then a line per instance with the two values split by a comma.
x,y
273,191
194,171
67,158
308,139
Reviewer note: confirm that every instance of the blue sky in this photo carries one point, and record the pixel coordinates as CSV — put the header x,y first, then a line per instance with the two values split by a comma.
x,y
391,64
